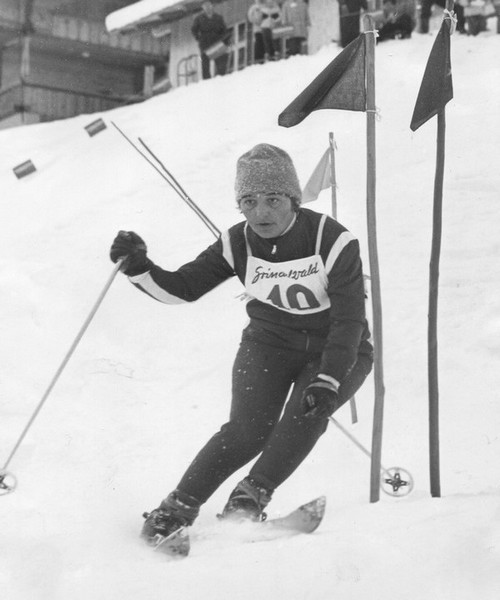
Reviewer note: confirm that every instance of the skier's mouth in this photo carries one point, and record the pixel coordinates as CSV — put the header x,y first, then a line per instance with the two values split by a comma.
x,y
265,229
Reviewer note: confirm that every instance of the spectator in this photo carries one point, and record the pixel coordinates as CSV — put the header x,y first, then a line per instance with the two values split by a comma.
x,y
426,11
255,16
296,14
350,14
496,5
271,16
475,15
398,22
208,29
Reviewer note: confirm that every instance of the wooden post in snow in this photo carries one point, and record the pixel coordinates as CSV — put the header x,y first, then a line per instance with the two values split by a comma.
x,y
432,356
373,256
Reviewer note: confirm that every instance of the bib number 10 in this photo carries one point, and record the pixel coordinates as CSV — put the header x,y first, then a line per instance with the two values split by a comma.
x,y
298,297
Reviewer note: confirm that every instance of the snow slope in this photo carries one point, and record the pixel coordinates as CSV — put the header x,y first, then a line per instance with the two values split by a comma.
x,y
149,384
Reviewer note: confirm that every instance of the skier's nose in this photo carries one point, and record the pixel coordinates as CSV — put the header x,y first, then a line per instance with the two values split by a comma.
x,y
262,209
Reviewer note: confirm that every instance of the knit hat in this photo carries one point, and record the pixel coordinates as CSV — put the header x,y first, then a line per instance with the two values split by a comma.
x,y
266,169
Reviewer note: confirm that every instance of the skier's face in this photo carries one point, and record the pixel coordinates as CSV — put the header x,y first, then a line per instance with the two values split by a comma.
x,y
268,214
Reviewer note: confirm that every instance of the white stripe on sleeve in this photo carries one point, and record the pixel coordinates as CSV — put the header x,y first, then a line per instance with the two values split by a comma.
x,y
341,242
147,283
227,251
320,233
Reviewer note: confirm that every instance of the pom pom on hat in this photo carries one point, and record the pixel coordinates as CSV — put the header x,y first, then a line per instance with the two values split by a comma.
x,y
266,169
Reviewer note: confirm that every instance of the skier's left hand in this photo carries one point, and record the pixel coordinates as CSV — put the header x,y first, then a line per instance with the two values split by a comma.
x,y
320,398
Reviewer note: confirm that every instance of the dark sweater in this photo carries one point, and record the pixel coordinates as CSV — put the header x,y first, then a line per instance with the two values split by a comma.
x,y
208,30
290,316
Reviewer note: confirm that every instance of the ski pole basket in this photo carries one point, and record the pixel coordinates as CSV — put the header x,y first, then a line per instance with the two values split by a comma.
x,y
8,482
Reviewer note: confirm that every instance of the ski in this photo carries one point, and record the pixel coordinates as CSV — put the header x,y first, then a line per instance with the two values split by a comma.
x,y
304,519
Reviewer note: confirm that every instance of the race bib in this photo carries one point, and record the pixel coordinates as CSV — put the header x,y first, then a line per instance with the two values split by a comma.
x,y
295,286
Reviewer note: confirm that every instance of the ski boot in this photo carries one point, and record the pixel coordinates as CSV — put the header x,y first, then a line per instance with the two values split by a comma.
x,y
177,511
247,502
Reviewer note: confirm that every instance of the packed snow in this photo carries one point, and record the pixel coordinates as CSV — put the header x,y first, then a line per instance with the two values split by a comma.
x,y
148,384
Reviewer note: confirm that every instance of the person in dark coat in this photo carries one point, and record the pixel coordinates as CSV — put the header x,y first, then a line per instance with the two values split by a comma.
x,y
398,20
426,12
304,353
296,14
350,14
256,15
209,28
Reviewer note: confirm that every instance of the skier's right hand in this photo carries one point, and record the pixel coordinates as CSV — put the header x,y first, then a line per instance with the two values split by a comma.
x,y
320,398
128,246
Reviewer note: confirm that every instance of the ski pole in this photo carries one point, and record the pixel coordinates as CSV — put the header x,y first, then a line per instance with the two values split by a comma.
x,y
4,475
392,477
181,191
168,177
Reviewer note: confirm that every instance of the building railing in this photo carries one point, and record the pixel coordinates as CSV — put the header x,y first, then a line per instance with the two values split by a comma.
x,y
51,103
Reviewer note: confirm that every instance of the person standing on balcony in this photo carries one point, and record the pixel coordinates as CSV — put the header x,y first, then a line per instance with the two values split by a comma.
x,y
271,16
255,16
296,14
209,28
398,21
350,15
426,13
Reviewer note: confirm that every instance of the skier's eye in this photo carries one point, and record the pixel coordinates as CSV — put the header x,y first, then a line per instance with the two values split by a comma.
x,y
248,203
274,201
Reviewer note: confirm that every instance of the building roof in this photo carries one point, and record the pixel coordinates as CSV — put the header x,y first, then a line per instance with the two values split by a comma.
x,y
150,13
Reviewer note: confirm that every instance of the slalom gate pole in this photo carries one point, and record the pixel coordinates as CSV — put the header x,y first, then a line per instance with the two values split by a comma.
x,y
432,338
168,177
59,371
333,176
333,187
378,370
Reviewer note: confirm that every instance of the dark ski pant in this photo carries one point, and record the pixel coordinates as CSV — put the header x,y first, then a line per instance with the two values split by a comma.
x,y
220,67
262,378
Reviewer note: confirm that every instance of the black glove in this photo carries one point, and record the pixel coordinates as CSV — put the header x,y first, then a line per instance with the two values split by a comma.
x,y
129,246
320,397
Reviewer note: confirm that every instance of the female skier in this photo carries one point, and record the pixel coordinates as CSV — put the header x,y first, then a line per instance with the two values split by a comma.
x,y
307,331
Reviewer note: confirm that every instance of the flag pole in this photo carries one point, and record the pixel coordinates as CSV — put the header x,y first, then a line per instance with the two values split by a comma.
x,y
348,83
432,359
370,34
333,179
432,352
435,92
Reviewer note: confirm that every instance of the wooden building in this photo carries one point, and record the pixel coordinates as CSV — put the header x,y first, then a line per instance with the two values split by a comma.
x,y
173,19
61,58
58,60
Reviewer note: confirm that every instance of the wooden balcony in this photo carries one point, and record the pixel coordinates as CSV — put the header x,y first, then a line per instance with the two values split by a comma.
x,y
49,103
70,29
